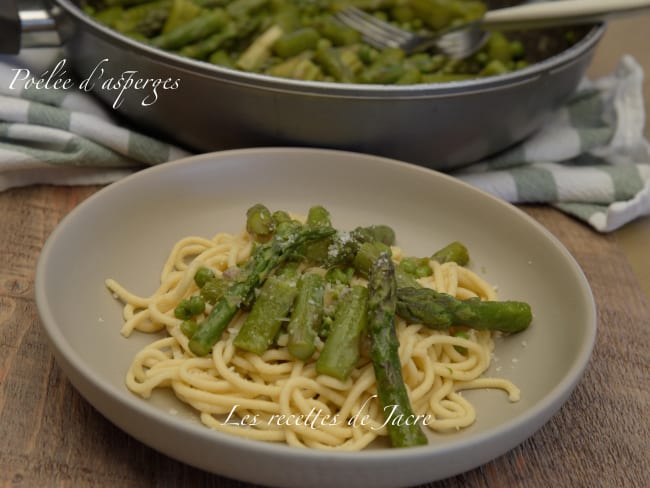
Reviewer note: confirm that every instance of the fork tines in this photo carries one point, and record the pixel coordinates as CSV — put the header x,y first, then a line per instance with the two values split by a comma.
x,y
375,32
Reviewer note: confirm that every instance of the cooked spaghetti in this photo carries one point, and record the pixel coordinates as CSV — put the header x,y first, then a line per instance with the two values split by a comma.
x,y
276,397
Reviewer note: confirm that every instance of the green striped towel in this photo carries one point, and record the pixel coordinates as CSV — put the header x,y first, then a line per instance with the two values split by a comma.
x,y
66,137
590,161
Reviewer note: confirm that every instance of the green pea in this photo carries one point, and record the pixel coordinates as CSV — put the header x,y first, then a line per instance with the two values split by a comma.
x,y
182,310
517,49
366,53
189,307
196,305
188,327
416,267
202,276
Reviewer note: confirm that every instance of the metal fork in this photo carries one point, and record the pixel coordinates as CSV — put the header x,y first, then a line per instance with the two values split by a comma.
x,y
464,40
456,43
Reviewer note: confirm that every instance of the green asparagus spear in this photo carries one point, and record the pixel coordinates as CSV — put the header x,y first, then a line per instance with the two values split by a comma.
x,y
259,51
498,48
493,68
331,61
281,219
340,353
307,27
439,14
110,16
317,251
441,311
375,4
455,252
213,289
344,246
318,216
241,9
124,3
288,15
299,67
205,47
295,42
182,11
375,233
221,58
388,67
306,316
339,275
419,267
259,221
265,258
338,33
391,390
146,19
209,331
341,248
369,252
192,31
269,311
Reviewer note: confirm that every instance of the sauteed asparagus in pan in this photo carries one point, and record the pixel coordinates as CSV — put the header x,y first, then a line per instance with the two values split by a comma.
x,y
301,39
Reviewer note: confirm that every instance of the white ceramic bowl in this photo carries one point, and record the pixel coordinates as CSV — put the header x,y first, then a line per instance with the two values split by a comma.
x,y
126,230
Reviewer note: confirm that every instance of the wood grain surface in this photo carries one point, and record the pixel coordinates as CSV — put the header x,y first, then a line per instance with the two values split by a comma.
x,y
630,36
50,436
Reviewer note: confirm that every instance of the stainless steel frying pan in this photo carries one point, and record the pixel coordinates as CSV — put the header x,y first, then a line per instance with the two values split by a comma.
x,y
204,107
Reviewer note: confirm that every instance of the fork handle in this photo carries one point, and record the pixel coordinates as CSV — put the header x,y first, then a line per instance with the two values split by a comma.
x,y
565,12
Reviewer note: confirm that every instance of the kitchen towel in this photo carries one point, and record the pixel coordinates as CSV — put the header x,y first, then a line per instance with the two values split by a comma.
x,y
64,136
590,160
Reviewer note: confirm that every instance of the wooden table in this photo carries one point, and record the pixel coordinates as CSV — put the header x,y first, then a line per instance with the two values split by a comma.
x,y
50,436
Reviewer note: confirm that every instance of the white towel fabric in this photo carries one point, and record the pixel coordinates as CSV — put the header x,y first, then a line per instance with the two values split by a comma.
x,y
591,160
65,136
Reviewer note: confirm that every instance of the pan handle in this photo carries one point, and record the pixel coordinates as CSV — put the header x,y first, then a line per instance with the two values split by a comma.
x,y
25,24
9,27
